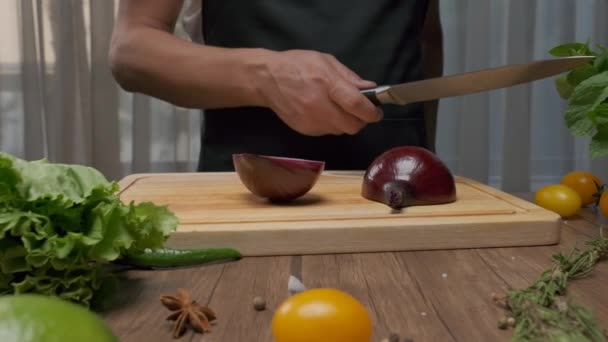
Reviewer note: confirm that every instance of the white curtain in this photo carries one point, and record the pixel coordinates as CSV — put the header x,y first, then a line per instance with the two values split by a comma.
x,y
515,138
58,99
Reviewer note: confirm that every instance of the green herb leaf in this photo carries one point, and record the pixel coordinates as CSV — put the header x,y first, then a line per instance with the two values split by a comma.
x,y
578,75
599,142
564,88
599,115
586,89
601,62
586,97
572,49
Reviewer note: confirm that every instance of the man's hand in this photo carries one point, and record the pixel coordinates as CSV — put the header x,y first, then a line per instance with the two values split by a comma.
x,y
315,94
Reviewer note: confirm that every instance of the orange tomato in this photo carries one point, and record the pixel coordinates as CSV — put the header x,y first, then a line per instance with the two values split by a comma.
x,y
584,183
321,315
558,198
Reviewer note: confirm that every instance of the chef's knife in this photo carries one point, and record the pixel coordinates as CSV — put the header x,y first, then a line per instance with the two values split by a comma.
x,y
472,82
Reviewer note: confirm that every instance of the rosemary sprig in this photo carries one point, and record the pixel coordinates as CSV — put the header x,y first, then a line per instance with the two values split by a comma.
x,y
541,313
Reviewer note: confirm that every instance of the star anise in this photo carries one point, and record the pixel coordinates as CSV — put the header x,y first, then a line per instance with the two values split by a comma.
x,y
187,312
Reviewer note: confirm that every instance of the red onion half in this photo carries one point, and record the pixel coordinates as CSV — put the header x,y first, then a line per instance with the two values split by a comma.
x,y
277,178
406,176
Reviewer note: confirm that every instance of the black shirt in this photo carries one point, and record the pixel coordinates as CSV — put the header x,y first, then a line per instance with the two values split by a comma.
x,y
379,40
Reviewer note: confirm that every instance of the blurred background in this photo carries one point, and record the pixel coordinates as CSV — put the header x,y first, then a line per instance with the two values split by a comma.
x,y
58,99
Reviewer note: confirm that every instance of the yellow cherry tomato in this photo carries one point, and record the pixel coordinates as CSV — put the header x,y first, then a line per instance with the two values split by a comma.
x,y
321,315
603,203
584,183
558,198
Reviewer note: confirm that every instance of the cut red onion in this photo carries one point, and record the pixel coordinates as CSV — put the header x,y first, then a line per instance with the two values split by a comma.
x,y
406,176
277,178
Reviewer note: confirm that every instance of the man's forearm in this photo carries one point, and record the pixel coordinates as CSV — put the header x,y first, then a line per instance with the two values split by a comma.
x,y
157,63
311,92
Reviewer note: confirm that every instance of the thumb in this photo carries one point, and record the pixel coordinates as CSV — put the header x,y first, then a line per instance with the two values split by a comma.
x,y
364,83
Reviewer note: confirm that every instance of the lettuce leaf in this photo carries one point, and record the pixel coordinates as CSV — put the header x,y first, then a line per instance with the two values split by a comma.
x,y
60,225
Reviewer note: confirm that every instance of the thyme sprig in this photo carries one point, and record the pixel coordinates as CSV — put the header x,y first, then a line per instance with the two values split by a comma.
x,y
541,312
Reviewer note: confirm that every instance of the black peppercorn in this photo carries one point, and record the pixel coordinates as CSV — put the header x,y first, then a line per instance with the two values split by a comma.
x,y
259,303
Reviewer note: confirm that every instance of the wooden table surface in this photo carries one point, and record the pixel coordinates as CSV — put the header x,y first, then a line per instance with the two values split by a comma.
x,y
424,295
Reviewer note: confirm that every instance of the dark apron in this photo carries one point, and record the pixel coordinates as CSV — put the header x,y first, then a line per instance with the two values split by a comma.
x,y
379,40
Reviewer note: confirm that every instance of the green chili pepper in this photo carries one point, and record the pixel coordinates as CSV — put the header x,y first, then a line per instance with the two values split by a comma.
x,y
167,257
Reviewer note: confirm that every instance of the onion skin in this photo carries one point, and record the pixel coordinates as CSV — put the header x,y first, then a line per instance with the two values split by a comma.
x,y
407,176
278,179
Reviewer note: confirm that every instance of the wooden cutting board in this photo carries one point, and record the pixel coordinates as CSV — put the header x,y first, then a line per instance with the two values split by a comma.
x,y
216,210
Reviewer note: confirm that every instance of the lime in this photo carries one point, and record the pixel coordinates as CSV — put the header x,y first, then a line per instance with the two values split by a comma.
x,y
31,317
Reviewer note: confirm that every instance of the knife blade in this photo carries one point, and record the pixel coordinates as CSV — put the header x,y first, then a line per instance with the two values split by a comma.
x,y
472,82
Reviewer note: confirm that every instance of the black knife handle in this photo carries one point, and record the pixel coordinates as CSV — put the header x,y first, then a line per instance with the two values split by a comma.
x,y
371,95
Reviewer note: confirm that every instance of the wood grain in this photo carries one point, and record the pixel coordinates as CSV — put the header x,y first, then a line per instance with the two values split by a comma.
x,y
383,283
138,314
215,210
232,301
459,286
439,295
